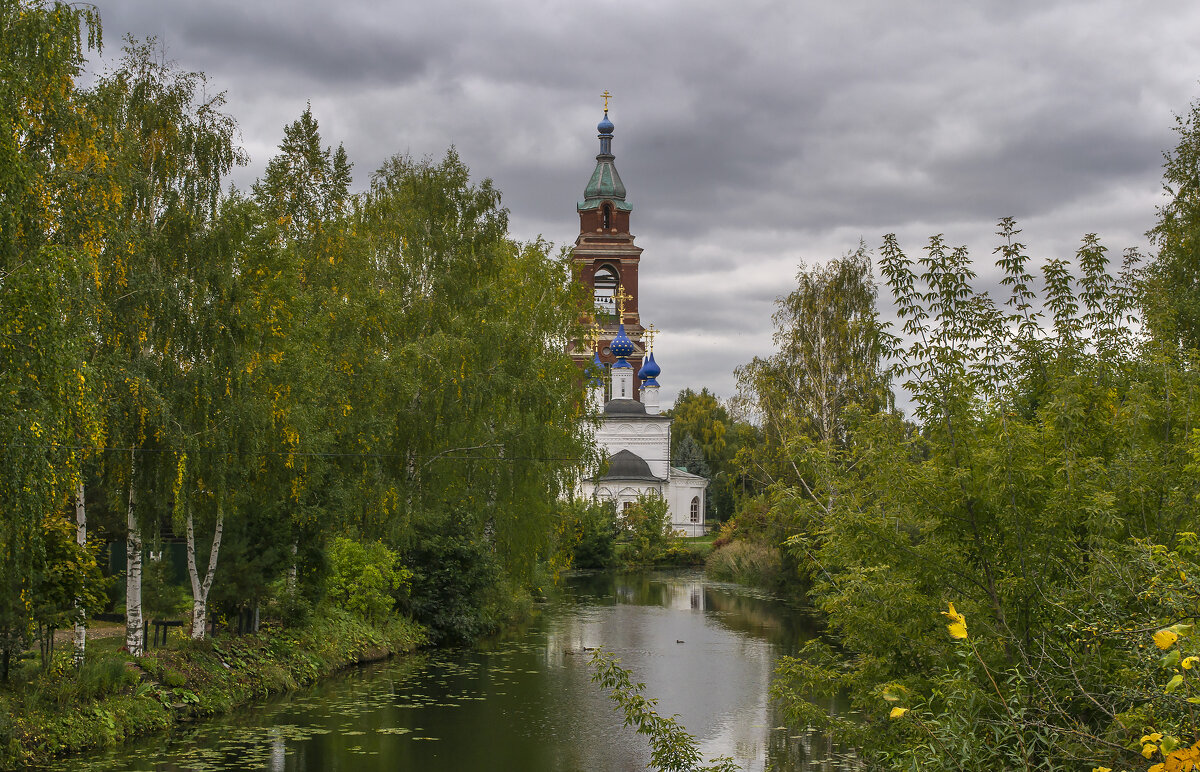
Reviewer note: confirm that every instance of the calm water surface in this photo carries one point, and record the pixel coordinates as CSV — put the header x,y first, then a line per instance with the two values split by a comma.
x,y
525,701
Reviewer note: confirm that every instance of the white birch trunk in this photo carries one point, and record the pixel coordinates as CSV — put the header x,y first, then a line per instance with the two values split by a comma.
x,y
291,574
81,540
200,588
133,577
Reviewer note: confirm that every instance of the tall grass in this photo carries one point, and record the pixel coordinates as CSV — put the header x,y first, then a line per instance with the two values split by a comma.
x,y
746,562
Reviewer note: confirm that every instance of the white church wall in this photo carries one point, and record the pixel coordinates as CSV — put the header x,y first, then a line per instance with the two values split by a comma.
x,y
650,440
683,491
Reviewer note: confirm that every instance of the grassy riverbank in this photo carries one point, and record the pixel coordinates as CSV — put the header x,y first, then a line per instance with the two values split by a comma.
x,y
115,697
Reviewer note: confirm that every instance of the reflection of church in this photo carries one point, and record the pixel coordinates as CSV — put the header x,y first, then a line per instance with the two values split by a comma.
x,y
633,434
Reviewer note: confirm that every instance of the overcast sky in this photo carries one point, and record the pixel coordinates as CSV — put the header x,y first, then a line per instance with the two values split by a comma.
x,y
750,135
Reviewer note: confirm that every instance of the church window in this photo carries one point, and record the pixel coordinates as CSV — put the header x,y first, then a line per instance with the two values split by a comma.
x,y
606,215
605,285
695,509
628,505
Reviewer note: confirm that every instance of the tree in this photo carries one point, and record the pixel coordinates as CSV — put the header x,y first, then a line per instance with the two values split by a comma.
x,y
53,200
1173,300
831,348
719,436
172,146
701,416
690,457
647,524
1047,477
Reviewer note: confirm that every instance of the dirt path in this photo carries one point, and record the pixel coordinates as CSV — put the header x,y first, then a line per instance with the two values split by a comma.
x,y
95,630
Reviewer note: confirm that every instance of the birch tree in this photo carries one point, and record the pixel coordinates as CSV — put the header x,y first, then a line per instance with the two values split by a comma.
x,y
172,146
830,355
53,200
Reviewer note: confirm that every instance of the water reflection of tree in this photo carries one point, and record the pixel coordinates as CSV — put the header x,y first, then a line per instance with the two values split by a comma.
x,y
761,617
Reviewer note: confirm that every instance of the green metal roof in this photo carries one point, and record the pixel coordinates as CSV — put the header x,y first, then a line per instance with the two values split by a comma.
x,y
605,185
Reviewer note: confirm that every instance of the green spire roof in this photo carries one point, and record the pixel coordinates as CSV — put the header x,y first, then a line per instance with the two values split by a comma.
x,y
605,184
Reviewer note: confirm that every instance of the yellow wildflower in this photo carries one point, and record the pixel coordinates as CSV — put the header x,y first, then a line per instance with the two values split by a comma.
x,y
958,624
1165,639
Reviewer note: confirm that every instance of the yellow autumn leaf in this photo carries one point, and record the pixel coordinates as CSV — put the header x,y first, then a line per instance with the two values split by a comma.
x,y
1165,639
897,712
1148,750
1189,662
1151,738
1159,767
1101,769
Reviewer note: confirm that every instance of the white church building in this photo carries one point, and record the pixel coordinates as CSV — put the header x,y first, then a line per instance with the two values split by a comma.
x,y
635,439
632,433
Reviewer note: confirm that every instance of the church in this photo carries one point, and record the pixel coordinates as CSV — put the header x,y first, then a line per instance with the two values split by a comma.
x,y
632,433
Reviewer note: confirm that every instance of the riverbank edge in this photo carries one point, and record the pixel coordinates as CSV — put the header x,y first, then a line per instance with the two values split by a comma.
x,y
201,679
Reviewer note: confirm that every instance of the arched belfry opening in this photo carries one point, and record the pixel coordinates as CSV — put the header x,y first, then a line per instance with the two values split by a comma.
x,y
606,217
605,283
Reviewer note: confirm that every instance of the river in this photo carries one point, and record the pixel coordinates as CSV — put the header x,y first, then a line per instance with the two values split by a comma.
x,y
524,701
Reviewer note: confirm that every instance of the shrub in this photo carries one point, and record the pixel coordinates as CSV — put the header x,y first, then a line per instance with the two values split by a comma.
x,y
747,562
365,579
596,531
458,586
647,525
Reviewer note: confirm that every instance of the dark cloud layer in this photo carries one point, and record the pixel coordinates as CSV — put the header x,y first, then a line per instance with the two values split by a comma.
x,y
751,136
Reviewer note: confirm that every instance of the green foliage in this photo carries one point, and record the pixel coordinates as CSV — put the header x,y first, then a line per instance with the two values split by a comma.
x,y
595,531
53,217
830,357
690,457
1173,299
366,579
747,562
457,584
672,749
161,596
719,437
1049,464
278,368
646,524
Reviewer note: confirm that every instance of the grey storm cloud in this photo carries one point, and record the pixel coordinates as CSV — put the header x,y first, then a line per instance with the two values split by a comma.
x,y
751,136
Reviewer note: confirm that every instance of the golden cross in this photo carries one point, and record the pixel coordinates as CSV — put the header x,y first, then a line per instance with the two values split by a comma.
x,y
593,336
621,298
607,96
651,331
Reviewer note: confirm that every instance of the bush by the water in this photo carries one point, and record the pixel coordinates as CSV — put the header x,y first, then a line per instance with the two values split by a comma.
x,y
459,589
595,530
748,562
366,579
646,525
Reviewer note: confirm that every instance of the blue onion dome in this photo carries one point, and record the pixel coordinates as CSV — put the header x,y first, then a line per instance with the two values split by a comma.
x,y
622,347
597,368
650,369
605,126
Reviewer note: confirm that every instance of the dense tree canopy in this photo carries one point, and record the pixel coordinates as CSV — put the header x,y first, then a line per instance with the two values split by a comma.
x,y
1045,481
260,374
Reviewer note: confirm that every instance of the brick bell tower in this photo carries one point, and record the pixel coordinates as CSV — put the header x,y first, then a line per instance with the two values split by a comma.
x,y
606,257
